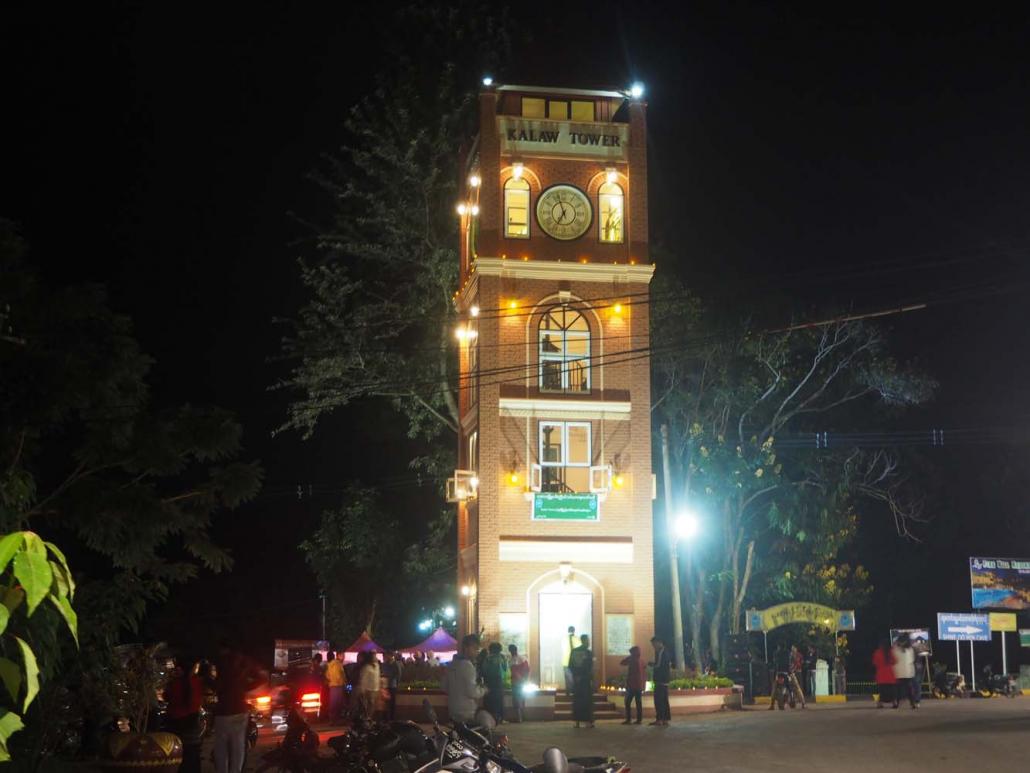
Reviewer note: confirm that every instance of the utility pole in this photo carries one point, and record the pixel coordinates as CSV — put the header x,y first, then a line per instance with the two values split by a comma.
x,y
674,564
323,616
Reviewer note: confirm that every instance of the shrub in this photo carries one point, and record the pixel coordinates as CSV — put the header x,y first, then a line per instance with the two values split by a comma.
x,y
700,683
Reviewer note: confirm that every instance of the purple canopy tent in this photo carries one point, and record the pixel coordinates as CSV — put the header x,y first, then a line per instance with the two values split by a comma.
x,y
364,643
439,642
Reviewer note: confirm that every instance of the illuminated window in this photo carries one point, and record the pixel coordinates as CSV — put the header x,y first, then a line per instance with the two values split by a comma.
x,y
564,351
565,456
557,110
532,107
516,209
611,208
582,111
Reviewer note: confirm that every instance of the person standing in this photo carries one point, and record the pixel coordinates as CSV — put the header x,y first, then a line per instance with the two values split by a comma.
x,y
581,663
495,670
808,671
336,679
636,678
519,677
797,663
235,677
368,685
185,693
463,692
917,681
392,674
781,665
886,682
568,645
662,673
904,669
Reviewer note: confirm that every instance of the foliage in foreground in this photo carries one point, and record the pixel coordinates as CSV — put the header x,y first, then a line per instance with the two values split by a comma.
x,y
31,572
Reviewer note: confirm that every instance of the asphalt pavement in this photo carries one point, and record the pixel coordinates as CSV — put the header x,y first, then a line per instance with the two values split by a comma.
x,y
944,736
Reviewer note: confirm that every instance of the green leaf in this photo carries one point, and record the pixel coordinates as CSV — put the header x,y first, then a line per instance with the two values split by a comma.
x,y
31,672
60,583
33,572
10,674
10,723
67,569
33,544
13,598
5,616
8,547
68,613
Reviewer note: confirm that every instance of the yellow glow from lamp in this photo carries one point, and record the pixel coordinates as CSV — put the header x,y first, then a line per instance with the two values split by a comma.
x,y
475,180
474,311
611,175
617,308
517,169
619,481
513,478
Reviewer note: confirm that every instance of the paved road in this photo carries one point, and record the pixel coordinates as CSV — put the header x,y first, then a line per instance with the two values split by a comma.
x,y
958,735
944,736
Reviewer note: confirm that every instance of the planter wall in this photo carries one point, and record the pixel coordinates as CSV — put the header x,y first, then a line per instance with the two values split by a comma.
x,y
688,701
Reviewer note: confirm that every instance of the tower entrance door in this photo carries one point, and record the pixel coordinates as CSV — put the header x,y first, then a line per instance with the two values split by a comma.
x,y
557,612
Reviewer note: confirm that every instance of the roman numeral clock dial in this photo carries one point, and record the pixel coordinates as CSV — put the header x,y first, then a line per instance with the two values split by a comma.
x,y
564,212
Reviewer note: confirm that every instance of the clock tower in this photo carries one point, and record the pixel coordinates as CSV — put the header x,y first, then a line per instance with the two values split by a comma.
x,y
554,486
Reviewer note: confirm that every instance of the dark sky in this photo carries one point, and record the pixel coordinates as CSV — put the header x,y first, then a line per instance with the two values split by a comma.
x,y
855,155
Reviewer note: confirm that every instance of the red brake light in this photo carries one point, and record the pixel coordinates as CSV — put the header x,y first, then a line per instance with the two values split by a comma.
x,y
311,696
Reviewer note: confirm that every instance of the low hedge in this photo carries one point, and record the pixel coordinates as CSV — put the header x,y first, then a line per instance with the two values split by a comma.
x,y
701,683
421,684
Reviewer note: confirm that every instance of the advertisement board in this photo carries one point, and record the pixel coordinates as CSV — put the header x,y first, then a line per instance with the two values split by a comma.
x,y
1000,583
920,639
1003,621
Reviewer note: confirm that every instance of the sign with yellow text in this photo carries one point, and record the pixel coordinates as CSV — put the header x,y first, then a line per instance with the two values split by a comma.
x,y
800,612
1003,621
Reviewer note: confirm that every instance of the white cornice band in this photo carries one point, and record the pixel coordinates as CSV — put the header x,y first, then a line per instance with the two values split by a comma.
x,y
554,269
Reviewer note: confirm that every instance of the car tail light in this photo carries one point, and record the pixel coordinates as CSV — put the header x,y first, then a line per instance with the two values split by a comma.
x,y
263,700
311,700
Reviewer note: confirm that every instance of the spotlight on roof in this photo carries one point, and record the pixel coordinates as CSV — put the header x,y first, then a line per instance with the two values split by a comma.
x,y
488,81
636,90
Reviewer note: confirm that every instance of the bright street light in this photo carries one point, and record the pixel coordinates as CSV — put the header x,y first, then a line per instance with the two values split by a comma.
x,y
449,612
425,625
636,90
687,525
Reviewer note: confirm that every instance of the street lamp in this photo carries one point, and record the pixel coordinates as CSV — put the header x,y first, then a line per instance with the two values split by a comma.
x,y
449,613
687,525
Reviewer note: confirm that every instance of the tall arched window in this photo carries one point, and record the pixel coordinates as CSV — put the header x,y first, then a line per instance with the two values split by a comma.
x,y
564,339
516,208
610,203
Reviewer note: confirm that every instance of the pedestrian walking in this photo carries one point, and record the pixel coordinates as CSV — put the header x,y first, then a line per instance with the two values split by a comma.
x,y
568,645
236,675
808,671
519,676
917,681
336,679
886,682
463,692
368,685
661,673
797,663
636,678
581,663
185,694
904,669
495,671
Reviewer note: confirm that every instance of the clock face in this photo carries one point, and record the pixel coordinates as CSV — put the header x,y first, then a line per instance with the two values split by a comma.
x,y
564,212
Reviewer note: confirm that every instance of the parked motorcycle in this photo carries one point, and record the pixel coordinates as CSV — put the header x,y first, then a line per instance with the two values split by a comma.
x,y
946,685
783,690
997,684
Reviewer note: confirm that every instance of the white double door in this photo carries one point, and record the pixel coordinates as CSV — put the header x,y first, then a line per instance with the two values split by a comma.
x,y
557,612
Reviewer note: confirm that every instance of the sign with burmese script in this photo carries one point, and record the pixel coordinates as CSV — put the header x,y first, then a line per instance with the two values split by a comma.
x,y
525,137
800,612
565,507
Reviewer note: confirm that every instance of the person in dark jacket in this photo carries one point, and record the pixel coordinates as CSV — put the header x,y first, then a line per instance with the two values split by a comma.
x,y
581,663
185,694
495,669
636,678
235,676
662,673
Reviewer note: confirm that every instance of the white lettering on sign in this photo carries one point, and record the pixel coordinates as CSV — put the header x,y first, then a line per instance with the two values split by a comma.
x,y
556,138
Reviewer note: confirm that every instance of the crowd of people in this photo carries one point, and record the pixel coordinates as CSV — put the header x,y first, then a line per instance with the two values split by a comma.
x,y
480,675
899,673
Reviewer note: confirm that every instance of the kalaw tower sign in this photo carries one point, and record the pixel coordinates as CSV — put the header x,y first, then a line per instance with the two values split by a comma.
x,y
554,489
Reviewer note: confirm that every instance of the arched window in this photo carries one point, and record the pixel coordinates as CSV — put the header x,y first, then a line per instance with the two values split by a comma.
x,y
610,203
564,337
516,209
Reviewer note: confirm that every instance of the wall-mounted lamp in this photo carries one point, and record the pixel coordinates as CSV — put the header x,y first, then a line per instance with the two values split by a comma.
x,y
565,570
611,175
475,180
462,208
517,169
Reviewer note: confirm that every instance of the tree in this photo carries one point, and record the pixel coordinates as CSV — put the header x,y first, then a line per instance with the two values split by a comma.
x,y
379,322
729,399
354,555
130,491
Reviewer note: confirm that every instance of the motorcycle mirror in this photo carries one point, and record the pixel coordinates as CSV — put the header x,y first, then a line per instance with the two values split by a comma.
x,y
555,761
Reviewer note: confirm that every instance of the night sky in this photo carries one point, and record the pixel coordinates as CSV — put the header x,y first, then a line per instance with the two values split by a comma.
x,y
850,156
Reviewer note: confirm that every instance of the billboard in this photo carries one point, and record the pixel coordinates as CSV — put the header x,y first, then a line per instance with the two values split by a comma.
x,y
1000,583
920,639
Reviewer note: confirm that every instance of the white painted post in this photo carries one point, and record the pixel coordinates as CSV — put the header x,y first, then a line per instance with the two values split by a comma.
x,y
1004,656
972,663
958,658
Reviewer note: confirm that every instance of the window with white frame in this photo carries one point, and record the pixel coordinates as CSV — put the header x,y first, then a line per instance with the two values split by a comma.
x,y
610,201
516,208
564,341
565,456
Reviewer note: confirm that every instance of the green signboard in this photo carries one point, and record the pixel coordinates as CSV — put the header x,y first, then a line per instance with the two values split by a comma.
x,y
565,507
1024,637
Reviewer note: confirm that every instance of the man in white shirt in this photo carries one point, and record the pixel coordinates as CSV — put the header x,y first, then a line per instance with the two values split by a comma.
x,y
463,693
904,668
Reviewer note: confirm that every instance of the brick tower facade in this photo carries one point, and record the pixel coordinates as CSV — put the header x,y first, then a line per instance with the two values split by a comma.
x,y
554,489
